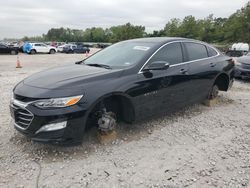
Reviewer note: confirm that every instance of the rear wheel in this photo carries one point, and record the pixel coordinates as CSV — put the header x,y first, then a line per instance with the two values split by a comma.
x,y
213,93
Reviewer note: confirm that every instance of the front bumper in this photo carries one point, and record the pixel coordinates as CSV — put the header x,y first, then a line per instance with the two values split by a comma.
x,y
28,119
241,72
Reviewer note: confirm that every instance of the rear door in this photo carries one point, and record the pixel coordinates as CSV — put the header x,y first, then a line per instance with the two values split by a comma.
x,y
163,90
202,64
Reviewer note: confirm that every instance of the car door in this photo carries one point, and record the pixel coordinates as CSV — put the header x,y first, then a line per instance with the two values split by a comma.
x,y
44,48
4,49
162,90
201,69
38,48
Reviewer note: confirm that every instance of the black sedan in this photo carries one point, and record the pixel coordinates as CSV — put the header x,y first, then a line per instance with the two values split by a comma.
x,y
8,50
127,81
242,68
75,49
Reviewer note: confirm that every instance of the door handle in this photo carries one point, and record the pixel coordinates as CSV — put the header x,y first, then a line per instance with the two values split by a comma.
x,y
212,64
183,71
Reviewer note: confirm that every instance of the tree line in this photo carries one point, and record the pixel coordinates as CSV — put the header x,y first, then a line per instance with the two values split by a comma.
x,y
235,28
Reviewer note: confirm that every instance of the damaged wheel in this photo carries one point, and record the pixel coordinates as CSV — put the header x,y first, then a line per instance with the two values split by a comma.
x,y
104,116
214,92
107,121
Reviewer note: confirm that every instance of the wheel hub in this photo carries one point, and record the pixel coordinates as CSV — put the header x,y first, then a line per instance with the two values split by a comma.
x,y
214,92
107,121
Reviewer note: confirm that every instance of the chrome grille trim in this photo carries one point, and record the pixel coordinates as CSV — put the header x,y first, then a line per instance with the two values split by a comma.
x,y
245,66
22,116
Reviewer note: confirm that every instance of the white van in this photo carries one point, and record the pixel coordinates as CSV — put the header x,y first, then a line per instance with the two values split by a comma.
x,y
240,47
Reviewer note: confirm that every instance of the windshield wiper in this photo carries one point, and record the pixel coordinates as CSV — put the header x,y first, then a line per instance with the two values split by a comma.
x,y
79,62
99,65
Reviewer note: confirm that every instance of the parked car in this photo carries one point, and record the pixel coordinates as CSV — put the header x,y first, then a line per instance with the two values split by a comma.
x,y
56,44
4,49
127,81
240,47
81,49
68,48
242,68
13,44
235,53
75,49
41,48
60,48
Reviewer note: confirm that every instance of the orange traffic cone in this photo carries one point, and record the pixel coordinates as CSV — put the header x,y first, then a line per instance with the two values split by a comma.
x,y
18,64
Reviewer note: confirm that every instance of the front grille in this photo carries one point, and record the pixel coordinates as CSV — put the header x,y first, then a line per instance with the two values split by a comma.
x,y
245,66
23,117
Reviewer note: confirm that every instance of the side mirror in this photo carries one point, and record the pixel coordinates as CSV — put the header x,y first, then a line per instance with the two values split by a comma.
x,y
157,65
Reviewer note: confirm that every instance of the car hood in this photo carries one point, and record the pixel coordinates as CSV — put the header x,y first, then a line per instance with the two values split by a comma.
x,y
67,76
244,59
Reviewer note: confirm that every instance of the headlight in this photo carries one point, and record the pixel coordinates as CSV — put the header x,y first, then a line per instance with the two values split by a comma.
x,y
58,102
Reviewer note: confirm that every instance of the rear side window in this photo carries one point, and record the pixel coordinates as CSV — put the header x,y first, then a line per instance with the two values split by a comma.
x,y
37,44
171,53
211,52
196,51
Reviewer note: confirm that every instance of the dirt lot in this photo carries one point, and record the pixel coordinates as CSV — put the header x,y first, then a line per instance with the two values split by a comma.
x,y
197,147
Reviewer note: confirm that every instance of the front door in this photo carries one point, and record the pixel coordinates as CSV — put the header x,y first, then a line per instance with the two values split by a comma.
x,y
162,90
4,49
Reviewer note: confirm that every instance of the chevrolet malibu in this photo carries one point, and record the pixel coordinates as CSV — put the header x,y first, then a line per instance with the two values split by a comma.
x,y
128,81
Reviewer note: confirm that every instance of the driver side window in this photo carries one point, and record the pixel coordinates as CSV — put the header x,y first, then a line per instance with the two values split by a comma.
x,y
171,53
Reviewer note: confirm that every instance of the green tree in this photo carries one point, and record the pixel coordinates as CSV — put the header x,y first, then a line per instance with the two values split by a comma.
x,y
125,32
172,28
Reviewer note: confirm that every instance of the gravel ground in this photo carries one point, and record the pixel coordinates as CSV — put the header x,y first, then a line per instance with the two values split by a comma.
x,y
197,147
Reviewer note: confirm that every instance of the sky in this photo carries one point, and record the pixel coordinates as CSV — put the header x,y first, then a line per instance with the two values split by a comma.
x,y
20,18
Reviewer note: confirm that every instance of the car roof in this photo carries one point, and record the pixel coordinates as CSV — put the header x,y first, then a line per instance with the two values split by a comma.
x,y
160,39
163,40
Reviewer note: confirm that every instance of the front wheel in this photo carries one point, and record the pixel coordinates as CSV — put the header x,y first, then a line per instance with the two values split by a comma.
x,y
107,121
32,52
213,93
13,52
52,51
104,115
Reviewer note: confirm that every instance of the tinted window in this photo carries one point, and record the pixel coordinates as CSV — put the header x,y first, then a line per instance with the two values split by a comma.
x,y
171,53
196,51
2,46
211,51
37,44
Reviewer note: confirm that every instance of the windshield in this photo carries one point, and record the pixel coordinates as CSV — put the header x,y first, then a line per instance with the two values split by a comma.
x,y
121,55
